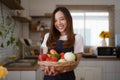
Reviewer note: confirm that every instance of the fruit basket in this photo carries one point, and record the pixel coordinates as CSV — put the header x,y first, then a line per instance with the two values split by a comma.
x,y
60,66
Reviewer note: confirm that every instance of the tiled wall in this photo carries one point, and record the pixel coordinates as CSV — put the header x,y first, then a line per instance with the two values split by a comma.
x,y
9,50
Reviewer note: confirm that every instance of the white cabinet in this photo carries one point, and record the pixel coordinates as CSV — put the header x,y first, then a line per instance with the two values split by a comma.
x,y
98,70
117,69
28,75
24,75
13,75
88,73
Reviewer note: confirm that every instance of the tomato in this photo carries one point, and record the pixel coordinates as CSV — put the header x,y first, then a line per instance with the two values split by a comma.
x,y
42,57
62,55
54,59
48,59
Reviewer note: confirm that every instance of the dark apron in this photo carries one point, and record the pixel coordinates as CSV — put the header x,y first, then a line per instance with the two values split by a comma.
x,y
64,76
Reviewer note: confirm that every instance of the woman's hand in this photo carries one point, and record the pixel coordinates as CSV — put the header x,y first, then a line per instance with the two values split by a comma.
x,y
49,70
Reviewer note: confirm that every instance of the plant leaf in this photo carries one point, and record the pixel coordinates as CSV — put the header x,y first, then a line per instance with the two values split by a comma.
x,y
17,43
8,43
12,39
2,45
0,33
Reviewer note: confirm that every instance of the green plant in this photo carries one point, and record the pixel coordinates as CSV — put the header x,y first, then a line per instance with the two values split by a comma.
x,y
6,36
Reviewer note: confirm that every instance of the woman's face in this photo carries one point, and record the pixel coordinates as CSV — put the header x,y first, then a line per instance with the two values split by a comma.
x,y
60,22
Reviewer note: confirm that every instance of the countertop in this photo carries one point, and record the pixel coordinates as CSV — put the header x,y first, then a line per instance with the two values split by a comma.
x,y
32,68
101,59
36,66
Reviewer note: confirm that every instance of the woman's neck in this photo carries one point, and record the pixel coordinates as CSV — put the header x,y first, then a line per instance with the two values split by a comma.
x,y
63,33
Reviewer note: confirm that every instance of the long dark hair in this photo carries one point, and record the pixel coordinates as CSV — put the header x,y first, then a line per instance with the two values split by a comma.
x,y
54,34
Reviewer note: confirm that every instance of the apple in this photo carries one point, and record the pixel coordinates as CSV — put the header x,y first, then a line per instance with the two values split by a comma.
x,y
42,57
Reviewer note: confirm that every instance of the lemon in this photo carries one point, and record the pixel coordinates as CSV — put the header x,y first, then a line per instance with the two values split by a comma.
x,y
3,71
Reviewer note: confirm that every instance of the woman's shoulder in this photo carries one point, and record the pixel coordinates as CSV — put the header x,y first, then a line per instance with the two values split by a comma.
x,y
47,34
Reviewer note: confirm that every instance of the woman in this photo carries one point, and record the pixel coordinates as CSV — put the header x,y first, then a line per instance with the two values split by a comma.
x,y
61,38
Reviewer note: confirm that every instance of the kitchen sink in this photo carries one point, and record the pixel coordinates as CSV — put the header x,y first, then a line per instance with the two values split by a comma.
x,y
17,64
22,63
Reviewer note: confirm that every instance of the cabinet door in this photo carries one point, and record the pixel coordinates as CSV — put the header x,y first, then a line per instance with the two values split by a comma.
x,y
13,75
79,73
88,73
28,75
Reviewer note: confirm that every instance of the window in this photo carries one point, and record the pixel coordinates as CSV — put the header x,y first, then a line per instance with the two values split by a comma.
x,y
89,25
90,20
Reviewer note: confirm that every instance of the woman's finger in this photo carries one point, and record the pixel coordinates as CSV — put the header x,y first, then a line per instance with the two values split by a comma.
x,y
42,68
47,70
52,68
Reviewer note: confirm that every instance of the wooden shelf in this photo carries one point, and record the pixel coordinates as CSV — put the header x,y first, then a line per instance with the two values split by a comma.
x,y
35,30
41,16
12,4
21,19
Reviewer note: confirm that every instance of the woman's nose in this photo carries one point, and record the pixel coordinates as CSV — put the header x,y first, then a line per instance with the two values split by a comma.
x,y
58,22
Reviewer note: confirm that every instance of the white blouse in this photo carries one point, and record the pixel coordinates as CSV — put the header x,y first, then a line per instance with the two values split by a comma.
x,y
78,46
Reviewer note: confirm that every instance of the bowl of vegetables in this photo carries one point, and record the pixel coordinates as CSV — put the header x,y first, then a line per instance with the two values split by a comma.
x,y
61,61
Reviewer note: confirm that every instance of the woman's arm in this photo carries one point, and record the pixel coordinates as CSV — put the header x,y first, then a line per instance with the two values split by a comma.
x,y
79,56
44,50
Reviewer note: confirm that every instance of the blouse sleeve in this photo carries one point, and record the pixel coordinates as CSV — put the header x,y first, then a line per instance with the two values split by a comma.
x,y
45,40
79,44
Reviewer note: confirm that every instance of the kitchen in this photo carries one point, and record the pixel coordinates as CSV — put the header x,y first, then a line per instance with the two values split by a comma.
x,y
22,29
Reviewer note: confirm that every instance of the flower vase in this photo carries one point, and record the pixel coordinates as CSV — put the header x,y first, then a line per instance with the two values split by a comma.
x,y
103,42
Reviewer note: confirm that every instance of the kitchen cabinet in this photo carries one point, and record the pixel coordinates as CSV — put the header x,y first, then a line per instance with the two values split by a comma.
x,y
88,73
24,75
94,69
13,75
28,75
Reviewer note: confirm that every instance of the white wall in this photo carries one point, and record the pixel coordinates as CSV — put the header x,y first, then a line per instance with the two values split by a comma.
x,y
39,7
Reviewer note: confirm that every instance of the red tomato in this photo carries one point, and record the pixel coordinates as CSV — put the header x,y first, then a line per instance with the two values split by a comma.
x,y
48,59
54,59
42,57
62,55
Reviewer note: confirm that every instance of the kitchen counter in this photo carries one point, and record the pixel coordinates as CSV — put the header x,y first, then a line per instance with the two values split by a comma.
x,y
32,68
101,59
36,66
22,65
